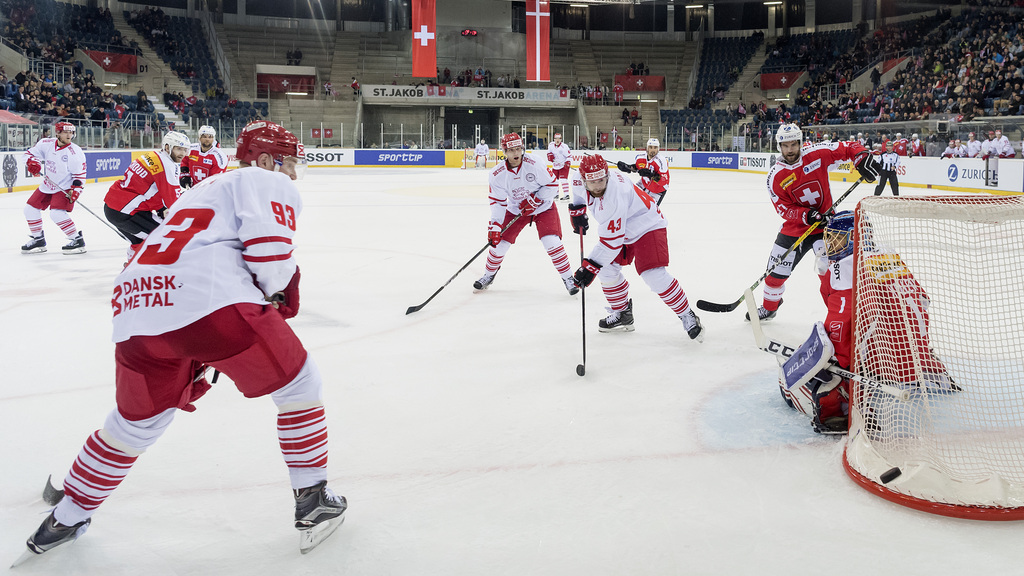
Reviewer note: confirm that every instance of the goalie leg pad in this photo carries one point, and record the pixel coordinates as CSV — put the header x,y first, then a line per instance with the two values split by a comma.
x,y
809,359
831,404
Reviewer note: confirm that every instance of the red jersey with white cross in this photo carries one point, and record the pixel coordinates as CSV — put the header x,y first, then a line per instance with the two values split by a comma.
x,y
658,165
150,183
798,188
201,165
226,241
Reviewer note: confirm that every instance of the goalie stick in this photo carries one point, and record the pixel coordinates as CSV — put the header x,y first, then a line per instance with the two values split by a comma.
x,y
715,307
785,351
412,309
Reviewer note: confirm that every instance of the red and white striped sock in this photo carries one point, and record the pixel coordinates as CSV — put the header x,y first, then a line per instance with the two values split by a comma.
x,y
97,471
561,260
617,295
493,262
675,298
35,227
68,227
303,438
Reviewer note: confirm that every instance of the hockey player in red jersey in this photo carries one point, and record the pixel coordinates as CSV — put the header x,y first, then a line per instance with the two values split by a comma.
x,y
62,183
631,230
205,159
800,191
149,186
227,245
653,170
523,190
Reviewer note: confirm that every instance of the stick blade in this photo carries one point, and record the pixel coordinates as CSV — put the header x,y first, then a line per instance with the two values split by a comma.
x,y
412,309
715,307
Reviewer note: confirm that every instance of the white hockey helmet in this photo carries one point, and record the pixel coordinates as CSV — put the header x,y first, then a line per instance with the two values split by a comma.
x,y
653,142
914,136
175,139
788,133
899,135
207,131
482,141
860,134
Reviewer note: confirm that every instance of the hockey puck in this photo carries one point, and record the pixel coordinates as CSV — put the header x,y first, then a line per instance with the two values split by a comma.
x,y
890,475
581,369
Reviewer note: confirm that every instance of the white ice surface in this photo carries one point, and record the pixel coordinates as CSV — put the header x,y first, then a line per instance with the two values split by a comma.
x,y
461,435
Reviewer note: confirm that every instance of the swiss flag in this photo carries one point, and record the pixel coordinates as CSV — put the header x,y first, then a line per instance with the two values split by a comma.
x,y
538,38
562,92
424,38
779,80
315,133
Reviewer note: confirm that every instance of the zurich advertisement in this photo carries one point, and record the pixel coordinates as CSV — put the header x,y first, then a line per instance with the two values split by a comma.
x,y
399,157
720,160
104,164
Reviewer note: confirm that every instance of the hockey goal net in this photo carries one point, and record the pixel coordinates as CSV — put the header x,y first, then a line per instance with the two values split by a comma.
x,y
470,160
939,309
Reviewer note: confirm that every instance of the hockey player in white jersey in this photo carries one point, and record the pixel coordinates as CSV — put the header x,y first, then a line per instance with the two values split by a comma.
x,y
481,152
62,184
212,286
973,146
560,157
522,191
631,230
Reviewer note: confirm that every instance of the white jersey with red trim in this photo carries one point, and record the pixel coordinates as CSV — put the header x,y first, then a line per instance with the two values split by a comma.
x,y
61,164
659,165
510,186
1001,146
219,240
621,216
973,148
563,155
201,165
151,182
482,150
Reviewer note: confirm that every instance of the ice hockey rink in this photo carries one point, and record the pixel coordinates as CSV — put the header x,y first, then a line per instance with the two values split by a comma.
x,y
461,435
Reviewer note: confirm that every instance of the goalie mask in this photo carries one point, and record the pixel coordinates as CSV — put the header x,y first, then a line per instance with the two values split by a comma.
x,y
839,236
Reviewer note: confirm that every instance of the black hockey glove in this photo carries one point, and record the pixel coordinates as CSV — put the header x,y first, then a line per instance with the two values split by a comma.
x,y
578,216
627,168
185,181
868,166
586,273
811,216
648,173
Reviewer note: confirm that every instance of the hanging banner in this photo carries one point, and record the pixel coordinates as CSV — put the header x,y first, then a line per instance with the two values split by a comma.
x,y
424,39
640,83
538,38
113,62
294,83
779,80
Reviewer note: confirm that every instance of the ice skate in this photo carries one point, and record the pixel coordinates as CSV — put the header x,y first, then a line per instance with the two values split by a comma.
x,y
75,246
571,286
318,513
618,321
35,245
50,535
693,326
485,281
763,314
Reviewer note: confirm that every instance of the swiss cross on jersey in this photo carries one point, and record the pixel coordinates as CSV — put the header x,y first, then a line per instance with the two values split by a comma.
x,y
804,185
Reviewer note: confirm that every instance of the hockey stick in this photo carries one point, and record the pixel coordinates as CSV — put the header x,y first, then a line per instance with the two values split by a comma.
x,y
581,369
412,309
715,307
784,351
104,220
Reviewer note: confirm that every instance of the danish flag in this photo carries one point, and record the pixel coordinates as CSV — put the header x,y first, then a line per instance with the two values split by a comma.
x,y
538,38
424,38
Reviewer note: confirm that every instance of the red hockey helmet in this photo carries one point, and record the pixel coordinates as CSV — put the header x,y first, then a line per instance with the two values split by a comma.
x,y
64,127
511,140
593,168
266,137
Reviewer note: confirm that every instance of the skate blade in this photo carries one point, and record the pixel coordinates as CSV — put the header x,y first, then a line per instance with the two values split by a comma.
x,y
628,328
75,251
34,251
312,537
24,556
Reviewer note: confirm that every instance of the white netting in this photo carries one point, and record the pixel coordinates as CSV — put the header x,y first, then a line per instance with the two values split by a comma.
x,y
939,308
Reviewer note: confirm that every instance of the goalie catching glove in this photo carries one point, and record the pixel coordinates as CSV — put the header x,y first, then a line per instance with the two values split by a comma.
x,y
578,216
75,191
868,166
586,273
287,301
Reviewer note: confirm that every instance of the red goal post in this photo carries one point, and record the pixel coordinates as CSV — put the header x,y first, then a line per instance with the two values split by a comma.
x,y
938,309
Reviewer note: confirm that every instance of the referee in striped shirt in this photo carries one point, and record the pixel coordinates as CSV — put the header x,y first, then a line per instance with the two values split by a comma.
x,y
890,161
